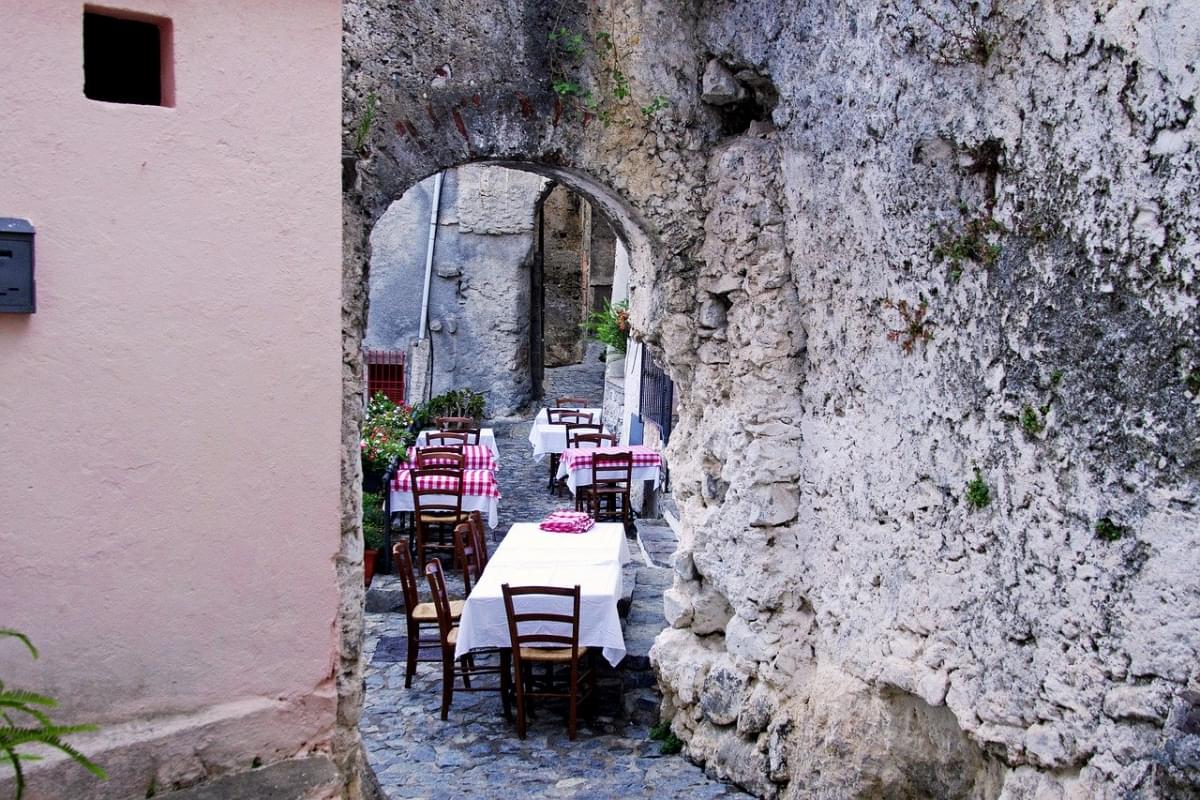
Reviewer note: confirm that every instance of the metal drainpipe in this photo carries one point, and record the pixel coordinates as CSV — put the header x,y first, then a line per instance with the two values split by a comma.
x,y
423,330
434,213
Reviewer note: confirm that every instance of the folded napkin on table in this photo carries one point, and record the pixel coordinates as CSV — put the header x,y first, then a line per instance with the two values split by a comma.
x,y
567,522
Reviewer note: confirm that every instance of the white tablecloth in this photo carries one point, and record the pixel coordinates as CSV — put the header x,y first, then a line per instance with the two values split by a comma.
x,y
487,438
529,556
488,506
583,476
547,438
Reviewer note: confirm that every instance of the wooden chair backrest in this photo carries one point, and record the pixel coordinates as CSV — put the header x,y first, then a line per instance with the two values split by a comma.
x,y
408,582
468,554
568,416
575,429
612,469
480,539
441,600
592,439
450,438
449,457
570,400
529,628
431,500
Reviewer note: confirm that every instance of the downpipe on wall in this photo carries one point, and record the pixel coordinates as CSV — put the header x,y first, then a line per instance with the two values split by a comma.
x,y
424,341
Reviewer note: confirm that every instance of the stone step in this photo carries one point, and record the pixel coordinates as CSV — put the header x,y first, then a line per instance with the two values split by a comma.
x,y
657,542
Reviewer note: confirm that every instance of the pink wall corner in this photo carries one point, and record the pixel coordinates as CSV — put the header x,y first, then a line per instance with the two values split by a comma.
x,y
169,418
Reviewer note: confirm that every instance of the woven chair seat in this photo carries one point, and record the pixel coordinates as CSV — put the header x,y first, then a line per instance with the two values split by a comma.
x,y
444,519
558,655
427,612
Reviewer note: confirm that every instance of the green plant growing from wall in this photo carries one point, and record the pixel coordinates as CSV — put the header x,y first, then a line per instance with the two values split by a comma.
x,y
979,494
365,120
1192,381
654,106
24,722
1109,531
669,743
572,53
974,243
610,326
916,328
1031,421
454,403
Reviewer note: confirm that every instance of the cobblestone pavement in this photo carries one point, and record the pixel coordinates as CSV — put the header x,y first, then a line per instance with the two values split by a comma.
x,y
476,753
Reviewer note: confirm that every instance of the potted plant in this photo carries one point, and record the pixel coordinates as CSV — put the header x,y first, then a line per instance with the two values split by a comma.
x,y
385,439
610,326
455,403
372,523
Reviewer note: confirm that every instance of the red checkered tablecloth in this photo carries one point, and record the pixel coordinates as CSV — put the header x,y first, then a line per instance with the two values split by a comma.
x,y
479,482
581,457
475,456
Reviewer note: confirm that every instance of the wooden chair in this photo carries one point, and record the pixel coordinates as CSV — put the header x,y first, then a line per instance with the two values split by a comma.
x,y
533,645
436,510
417,615
464,425
446,457
564,416
576,429
582,439
480,533
444,438
467,554
573,401
465,667
612,475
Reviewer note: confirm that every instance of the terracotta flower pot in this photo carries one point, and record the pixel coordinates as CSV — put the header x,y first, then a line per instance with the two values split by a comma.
x,y
369,557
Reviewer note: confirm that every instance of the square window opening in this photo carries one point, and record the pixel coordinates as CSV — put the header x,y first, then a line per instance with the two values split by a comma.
x,y
127,58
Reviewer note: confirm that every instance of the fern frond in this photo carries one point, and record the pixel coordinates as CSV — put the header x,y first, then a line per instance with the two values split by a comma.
x,y
9,632
8,696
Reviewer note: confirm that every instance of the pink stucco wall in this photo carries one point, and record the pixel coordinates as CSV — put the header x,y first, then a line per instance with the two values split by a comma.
x,y
169,419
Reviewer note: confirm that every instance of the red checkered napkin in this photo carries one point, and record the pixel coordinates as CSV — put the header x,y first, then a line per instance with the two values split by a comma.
x,y
567,522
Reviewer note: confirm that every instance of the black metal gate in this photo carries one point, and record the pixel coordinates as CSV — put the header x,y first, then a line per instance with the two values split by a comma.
x,y
658,396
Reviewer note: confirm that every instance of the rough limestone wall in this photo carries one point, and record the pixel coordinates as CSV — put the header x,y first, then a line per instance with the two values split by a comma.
x,y
479,290
845,623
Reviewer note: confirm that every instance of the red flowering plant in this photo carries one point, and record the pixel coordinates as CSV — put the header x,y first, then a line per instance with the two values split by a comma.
x,y
385,433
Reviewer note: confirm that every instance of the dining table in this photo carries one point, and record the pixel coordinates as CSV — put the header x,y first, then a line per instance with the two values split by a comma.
x,y
487,438
530,556
481,492
575,464
551,437
475,456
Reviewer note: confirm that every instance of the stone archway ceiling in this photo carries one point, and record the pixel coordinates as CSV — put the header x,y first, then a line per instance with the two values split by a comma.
x,y
916,254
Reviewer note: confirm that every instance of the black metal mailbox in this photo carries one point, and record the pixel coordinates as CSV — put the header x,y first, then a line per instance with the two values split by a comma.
x,y
16,267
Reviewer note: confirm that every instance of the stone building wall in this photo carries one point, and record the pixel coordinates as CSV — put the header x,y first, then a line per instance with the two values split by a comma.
x,y
479,291
183,594
882,245
566,265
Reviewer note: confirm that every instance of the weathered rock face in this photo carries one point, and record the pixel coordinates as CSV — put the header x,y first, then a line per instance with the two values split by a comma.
x,y
899,243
